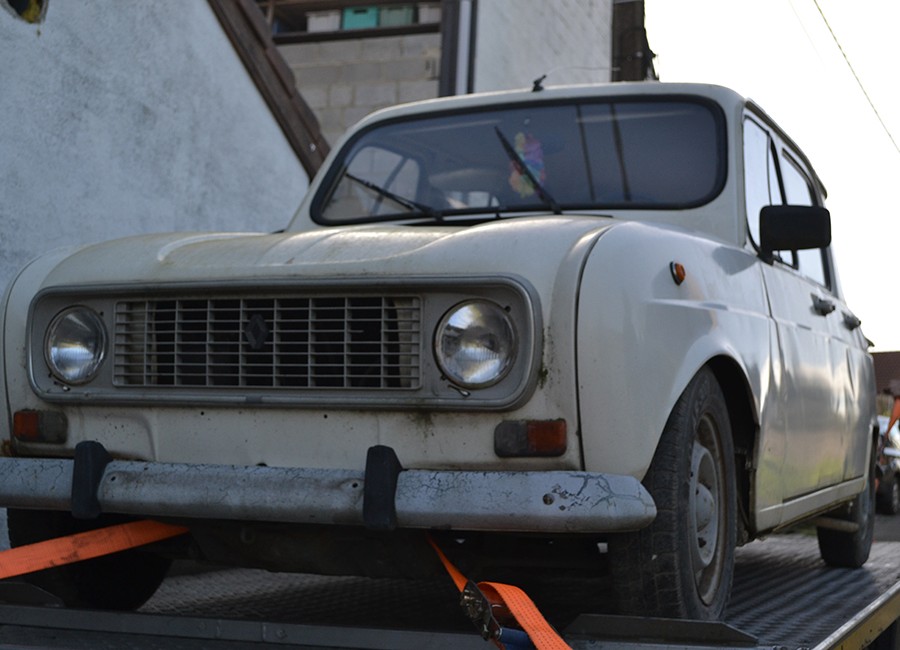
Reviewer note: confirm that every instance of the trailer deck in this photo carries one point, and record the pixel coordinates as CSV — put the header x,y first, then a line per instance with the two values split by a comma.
x,y
784,597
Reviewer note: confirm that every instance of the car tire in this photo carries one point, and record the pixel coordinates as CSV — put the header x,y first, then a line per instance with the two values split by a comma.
x,y
845,548
121,581
670,569
892,507
888,503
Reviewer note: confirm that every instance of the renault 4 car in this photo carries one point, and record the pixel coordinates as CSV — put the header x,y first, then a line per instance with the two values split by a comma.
x,y
585,327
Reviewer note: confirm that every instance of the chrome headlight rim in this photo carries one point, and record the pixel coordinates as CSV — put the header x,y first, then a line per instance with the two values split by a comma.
x,y
87,331
501,366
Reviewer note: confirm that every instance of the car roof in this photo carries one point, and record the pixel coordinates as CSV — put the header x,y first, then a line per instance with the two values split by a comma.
x,y
724,96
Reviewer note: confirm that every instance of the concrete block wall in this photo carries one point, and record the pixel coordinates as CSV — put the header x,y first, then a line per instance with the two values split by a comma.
x,y
516,41
520,40
343,81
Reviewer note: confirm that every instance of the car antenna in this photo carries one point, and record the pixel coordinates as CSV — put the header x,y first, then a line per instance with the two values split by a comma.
x,y
538,84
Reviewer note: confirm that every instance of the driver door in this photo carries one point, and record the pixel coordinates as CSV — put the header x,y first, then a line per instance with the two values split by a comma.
x,y
805,432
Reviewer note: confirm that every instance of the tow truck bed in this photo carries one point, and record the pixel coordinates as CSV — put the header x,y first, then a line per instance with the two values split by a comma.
x,y
783,597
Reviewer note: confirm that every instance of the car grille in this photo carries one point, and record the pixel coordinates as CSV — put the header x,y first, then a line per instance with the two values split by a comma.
x,y
278,342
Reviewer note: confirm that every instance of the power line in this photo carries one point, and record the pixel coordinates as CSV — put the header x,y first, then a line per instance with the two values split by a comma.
x,y
855,76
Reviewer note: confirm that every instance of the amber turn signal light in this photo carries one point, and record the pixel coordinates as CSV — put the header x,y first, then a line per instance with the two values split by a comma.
x,y
540,438
678,272
40,426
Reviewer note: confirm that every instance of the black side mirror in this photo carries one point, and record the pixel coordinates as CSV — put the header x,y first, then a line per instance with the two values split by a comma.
x,y
792,228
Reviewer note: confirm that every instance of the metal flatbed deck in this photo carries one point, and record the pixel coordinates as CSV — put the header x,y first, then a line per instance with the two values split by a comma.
x,y
784,597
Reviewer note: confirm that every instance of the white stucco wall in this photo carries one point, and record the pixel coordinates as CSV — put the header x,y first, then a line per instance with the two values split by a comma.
x,y
127,116
517,41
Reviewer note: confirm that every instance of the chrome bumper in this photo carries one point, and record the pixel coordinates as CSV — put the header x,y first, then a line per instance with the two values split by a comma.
x,y
553,502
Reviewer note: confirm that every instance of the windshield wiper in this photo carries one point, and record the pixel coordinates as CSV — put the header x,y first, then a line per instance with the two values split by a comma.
x,y
427,210
522,168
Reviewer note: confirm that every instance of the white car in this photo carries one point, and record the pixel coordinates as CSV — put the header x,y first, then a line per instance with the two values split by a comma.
x,y
533,324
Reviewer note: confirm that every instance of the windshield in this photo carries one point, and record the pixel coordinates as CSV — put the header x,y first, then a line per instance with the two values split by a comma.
x,y
649,154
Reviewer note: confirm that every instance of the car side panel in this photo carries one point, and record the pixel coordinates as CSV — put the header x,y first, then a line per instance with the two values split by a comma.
x,y
641,338
853,365
816,419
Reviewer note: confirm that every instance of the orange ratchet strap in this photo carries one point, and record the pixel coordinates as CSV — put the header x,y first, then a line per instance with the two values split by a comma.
x,y
502,599
83,546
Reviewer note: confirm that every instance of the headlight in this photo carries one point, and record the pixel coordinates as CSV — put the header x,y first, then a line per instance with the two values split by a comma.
x,y
475,344
74,346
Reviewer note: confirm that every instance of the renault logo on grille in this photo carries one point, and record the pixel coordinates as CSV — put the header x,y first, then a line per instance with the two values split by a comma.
x,y
256,331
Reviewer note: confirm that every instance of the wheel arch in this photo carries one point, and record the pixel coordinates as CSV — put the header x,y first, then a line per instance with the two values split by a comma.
x,y
641,337
744,429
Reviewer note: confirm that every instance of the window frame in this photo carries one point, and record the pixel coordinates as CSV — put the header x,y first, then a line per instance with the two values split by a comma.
x,y
788,157
324,189
782,150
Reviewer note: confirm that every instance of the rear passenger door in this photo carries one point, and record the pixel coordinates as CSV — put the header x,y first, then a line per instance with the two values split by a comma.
x,y
805,427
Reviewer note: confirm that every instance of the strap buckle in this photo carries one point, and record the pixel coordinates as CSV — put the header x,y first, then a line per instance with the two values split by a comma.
x,y
480,611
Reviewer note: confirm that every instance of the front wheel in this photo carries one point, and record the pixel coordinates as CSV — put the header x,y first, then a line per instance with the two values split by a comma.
x,y
681,566
121,581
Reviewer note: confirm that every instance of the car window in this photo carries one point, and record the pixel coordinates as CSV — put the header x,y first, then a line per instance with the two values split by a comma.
x,y
798,191
761,186
589,154
646,153
771,179
375,167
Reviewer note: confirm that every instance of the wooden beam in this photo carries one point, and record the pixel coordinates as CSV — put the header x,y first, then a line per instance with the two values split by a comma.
x,y
246,27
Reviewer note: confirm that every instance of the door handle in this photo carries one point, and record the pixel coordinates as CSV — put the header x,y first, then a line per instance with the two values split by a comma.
x,y
851,322
822,306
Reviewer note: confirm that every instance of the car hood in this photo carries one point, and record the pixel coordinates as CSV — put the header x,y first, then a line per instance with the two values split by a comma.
x,y
532,247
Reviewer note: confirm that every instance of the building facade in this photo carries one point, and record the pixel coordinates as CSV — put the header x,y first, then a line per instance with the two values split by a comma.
x,y
351,57
124,118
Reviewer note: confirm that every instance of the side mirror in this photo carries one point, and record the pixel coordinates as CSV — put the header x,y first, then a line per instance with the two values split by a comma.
x,y
793,228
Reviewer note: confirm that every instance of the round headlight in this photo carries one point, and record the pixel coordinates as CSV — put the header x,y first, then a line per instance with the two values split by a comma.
x,y
475,344
75,344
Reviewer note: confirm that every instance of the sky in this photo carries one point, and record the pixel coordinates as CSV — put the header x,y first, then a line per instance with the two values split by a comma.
x,y
781,54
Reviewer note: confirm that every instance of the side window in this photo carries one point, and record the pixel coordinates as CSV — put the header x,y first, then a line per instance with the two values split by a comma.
x,y
798,191
775,180
760,175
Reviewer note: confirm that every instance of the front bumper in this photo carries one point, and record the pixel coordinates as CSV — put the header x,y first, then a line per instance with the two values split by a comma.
x,y
547,502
